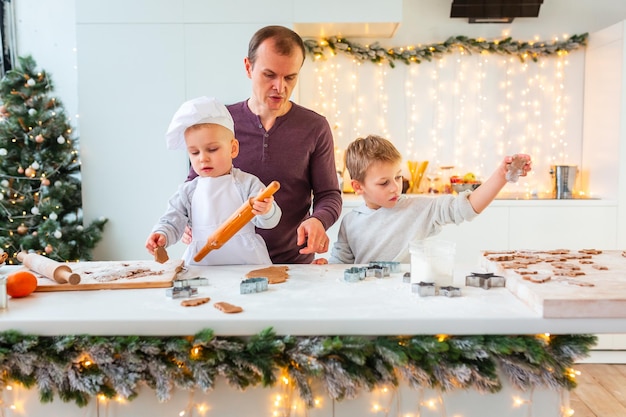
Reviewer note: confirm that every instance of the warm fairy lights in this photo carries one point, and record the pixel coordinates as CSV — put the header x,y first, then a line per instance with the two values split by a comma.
x,y
386,402
462,110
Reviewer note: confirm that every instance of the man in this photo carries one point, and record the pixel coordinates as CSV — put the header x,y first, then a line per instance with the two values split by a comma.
x,y
280,140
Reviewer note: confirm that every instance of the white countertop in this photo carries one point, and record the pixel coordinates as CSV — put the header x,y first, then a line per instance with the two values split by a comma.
x,y
314,301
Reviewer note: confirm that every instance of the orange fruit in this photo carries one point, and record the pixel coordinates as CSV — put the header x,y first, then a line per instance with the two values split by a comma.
x,y
21,284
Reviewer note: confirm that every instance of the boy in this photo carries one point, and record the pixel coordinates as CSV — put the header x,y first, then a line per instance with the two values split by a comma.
x,y
381,229
205,128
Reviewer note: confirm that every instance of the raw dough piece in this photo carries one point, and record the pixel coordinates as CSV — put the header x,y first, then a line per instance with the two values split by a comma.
x,y
192,302
274,274
227,307
160,255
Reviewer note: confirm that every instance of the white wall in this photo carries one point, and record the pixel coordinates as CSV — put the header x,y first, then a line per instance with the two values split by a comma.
x,y
138,60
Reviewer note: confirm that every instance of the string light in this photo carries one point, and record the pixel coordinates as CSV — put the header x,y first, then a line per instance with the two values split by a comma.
x,y
462,110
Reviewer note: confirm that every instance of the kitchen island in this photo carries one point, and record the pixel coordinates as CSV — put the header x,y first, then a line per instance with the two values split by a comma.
x,y
314,302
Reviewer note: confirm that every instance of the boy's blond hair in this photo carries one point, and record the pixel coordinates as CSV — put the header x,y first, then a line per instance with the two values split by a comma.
x,y
363,152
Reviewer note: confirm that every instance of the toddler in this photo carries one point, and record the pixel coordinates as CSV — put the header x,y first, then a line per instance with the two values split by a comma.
x,y
204,127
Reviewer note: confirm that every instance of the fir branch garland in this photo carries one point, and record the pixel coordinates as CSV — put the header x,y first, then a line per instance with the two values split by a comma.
x,y
77,368
378,54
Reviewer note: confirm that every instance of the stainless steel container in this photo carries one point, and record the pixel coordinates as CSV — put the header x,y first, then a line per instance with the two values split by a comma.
x,y
564,177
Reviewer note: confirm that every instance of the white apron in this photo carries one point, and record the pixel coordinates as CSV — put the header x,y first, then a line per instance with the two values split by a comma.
x,y
213,202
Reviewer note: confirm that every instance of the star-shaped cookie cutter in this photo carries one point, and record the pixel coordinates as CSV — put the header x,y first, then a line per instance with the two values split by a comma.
x,y
484,280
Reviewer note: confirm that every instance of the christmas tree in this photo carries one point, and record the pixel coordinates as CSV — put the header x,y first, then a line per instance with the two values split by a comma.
x,y
40,182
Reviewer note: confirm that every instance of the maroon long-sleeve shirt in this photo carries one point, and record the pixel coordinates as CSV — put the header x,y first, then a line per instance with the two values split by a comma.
x,y
298,152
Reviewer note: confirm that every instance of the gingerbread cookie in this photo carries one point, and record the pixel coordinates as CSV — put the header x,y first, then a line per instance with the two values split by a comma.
x,y
590,251
192,302
274,274
539,279
500,258
227,307
160,255
566,265
498,252
568,272
558,252
600,267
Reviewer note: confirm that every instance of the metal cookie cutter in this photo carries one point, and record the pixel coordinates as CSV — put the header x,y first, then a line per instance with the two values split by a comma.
x,y
484,280
377,271
191,282
450,291
392,265
424,289
253,285
354,274
181,292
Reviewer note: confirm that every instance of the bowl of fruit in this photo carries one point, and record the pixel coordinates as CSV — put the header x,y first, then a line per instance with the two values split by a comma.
x,y
464,183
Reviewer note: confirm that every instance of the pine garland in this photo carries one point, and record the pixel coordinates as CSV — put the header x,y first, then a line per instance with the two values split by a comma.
x,y
77,368
417,54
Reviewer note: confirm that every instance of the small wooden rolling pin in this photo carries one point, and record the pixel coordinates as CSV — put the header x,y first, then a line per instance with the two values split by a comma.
x,y
49,268
234,223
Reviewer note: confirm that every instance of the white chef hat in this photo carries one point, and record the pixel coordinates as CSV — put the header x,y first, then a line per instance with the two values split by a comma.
x,y
193,112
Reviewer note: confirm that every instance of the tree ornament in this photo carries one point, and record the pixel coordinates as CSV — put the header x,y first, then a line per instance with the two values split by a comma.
x,y
58,234
80,228
30,82
32,112
20,170
3,152
45,182
39,138
58,183
53,216
60,140
22,229
35,234
29,172
35,210
4,183
48,249
35,165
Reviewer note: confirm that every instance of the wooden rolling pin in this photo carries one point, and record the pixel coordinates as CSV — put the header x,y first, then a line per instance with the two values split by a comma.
x,y
49,268
234,223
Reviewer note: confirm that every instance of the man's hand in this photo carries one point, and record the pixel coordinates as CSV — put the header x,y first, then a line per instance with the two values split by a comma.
x,y
312,232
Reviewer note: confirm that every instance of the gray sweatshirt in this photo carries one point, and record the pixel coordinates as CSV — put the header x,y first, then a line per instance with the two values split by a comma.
x,y
367,235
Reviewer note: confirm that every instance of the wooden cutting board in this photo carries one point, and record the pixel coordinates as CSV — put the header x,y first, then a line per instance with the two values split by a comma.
x,y
560,297
117,275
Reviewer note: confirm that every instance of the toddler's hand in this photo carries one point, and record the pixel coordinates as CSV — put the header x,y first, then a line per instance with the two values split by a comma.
x,y
262,207
155,240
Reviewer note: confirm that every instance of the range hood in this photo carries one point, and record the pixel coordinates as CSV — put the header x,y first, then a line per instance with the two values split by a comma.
x,y
494,11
